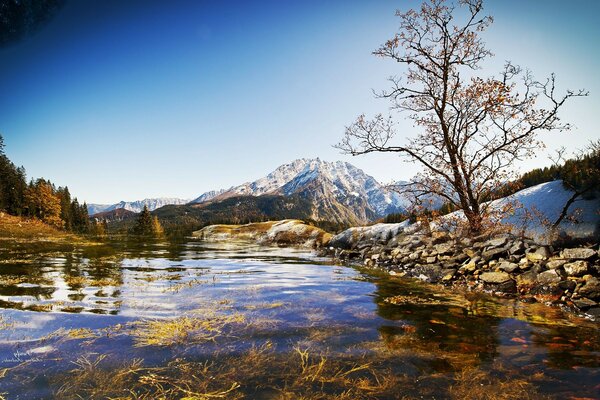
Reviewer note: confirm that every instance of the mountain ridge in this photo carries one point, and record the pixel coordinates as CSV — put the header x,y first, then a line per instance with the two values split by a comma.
x,y
337,191
340,191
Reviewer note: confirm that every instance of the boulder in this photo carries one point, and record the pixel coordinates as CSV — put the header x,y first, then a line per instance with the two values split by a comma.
x,y
495,277
444,248
578,254
554,264
539,254
493,253
576,268
527,279
508,266
550,277
517,248
288,232
496,242
591,289
583,303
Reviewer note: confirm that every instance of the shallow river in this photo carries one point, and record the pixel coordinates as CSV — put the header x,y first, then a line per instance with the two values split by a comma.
x,y
195,321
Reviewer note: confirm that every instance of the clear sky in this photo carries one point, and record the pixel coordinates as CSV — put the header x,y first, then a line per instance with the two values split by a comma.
x,y
122,100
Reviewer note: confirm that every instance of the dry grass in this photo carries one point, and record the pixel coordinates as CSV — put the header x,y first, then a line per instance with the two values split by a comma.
x,y
25,228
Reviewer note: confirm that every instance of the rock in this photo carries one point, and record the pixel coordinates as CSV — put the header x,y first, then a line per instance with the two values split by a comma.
x,y
506,287
549,277
444,248
576,268
517,248
415,255
554,264
495,277
591,289
567,285
471,266
496,242
527,279
431,260
584,303
493,253
288,232
508,266
470,252
578,254
448,275
539,254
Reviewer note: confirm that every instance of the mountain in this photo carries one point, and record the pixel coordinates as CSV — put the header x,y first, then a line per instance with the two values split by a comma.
x,y
136,206
117,214
97,208
337,191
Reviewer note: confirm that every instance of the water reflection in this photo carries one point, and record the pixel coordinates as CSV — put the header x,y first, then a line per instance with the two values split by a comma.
x,y
162,302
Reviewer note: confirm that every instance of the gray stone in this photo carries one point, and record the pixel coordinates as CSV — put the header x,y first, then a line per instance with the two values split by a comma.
x,y
493,253
584,303
495,277
517,248
508,266
553,264
578,254
496,242
527,279
431,260
591,289
549,277
444,248
539,254
576,268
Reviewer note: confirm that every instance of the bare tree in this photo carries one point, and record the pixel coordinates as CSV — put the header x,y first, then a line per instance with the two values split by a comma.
x,y
473,129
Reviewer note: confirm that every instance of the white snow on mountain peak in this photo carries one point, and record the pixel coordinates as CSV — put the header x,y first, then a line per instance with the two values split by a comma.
x,y
138,205
341,179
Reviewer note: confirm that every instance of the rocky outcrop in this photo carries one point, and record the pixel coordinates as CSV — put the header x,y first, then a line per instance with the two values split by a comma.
x,y
289,232
502,264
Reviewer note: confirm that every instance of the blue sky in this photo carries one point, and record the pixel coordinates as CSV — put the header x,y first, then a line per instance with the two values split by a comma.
x,y
122,100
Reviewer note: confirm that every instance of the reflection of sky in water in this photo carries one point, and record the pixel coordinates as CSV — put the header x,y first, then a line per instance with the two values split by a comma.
x,y
291,296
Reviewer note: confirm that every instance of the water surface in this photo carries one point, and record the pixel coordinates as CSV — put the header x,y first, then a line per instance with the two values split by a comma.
x,y
190,320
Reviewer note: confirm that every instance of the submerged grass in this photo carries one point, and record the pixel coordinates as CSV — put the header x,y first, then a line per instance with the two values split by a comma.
x,y
183,330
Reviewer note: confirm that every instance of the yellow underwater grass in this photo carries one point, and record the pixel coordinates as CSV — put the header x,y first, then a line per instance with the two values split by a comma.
x,y
182,330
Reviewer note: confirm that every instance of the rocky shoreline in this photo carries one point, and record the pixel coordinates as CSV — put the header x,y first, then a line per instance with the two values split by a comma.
x,y
501,264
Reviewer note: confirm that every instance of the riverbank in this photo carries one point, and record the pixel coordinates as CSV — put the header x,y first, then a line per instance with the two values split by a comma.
x,y
502,264
21,237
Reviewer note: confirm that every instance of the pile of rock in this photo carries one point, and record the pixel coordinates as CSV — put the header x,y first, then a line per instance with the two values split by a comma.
x,y
502,264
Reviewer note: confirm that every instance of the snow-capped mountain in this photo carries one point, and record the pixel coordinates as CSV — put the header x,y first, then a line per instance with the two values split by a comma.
x,y
338,190
136,206
208,196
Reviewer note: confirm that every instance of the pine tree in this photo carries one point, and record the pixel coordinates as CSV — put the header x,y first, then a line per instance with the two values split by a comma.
x,y
65,207
147,225
143,226
12,184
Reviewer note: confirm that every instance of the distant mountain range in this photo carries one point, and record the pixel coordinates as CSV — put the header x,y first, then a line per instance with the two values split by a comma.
x,y
333,191
136,206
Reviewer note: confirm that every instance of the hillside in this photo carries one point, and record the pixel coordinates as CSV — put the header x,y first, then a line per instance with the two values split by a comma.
x,y
183,219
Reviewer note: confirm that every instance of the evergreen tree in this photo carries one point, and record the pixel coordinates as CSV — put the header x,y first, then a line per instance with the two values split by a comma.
x,y
12,184
65,207
81,222
147,225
